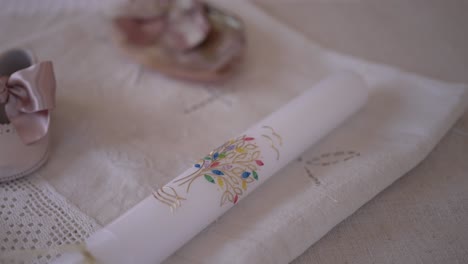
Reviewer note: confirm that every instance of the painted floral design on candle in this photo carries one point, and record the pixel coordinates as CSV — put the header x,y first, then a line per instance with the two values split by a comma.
x,y
232,167
168,195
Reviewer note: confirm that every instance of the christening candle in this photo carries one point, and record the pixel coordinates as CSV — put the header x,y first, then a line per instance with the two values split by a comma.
x,y
163,222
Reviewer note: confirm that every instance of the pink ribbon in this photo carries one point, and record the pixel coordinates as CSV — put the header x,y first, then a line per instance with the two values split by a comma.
x,y
28,96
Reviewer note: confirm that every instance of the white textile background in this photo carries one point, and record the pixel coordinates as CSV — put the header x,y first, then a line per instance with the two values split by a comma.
x,y
120,129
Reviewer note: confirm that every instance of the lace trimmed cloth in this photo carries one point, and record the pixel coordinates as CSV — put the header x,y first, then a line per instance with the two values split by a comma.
x,y
105,167
35,218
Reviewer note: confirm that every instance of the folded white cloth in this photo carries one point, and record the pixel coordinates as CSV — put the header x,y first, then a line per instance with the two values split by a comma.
x,y
120,129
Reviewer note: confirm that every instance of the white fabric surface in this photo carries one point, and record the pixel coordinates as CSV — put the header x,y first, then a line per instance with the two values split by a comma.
x,y
422,218
120,129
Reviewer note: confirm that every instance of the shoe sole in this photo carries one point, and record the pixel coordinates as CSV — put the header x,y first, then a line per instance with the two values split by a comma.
x,y
28,171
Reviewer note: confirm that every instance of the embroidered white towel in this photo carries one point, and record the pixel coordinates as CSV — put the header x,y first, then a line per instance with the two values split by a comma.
x,y
120,129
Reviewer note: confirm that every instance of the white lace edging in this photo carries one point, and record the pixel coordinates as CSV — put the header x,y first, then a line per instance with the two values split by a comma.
x,y
35,221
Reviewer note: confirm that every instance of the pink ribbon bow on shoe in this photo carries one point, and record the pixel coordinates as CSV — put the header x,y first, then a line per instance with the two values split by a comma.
x,y
28,95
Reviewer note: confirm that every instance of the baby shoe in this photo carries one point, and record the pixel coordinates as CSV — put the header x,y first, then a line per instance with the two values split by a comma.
x,y
27,94
186,39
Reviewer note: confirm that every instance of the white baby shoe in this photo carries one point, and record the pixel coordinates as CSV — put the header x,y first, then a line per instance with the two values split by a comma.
x,y
27,94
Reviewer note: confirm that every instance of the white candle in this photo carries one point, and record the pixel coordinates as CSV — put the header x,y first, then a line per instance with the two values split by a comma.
x,y
160,224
